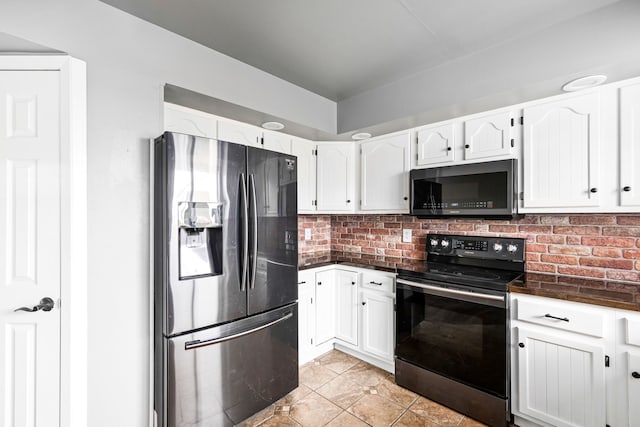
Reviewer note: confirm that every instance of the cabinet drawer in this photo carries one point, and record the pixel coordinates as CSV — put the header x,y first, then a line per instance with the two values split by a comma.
x,y
561,316
377,282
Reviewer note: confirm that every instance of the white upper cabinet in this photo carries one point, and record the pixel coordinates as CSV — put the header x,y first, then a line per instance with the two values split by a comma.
x,y
490,136
276,141
335,177
630,145
305,151
240,133
384,174
191,122
436,144
561,153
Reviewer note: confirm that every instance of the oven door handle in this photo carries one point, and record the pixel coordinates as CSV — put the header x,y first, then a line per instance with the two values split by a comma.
x,y
454,292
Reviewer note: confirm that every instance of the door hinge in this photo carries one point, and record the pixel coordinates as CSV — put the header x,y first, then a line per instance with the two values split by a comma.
x,y
606,362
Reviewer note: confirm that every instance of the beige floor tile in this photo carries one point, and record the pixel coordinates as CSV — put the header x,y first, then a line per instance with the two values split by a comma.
x,y
342,391
314,376
469,422
435,412
338,361
280,421
258,418
376,411
409,419
313,410
389,389
345,419
294,396
365,374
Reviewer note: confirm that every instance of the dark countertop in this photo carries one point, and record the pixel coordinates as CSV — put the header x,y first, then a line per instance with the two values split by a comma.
x,y
600,292
375,262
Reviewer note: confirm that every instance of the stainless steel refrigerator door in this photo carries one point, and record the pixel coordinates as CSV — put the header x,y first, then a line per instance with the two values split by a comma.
x,y
199,219
273,217
222,375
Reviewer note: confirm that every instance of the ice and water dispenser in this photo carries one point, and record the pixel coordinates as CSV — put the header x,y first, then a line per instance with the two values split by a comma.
x,y
200,235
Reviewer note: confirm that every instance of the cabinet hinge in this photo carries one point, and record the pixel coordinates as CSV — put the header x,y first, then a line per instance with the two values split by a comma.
x,y
522,195
262,140
606,362
311,300
314,152
512,122
521,120
417,158
312,341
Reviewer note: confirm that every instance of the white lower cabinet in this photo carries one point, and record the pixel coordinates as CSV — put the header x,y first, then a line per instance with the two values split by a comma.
x,y
377,324
347,313
574,364
325,306
346,287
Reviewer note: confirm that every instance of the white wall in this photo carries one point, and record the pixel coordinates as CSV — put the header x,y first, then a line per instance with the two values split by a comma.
x,y
128,61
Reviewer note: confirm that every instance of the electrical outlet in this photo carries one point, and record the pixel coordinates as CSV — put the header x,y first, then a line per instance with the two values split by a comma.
x,y
307,234
406,235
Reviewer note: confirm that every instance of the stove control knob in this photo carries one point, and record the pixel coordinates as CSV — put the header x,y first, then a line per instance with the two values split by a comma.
x,y
512,248
444,243
434,243
497,247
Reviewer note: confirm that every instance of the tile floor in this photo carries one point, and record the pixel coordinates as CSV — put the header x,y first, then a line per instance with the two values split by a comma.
x,y
339,390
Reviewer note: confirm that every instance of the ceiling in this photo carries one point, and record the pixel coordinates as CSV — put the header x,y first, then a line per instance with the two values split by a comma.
x,y
341,48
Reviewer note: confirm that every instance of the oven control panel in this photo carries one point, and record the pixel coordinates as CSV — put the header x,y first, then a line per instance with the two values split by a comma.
x,y
484,247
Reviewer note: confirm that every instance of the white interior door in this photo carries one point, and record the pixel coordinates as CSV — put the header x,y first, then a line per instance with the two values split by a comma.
x,y
29,247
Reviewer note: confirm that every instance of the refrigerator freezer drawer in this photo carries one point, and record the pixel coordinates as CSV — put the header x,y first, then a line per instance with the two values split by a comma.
x,y
222,375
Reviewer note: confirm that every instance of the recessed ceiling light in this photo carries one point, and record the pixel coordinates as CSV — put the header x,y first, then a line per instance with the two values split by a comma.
x,y
584,83
273,125
360,136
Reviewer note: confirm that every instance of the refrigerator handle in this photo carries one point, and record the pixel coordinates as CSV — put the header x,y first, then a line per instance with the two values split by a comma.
x,y
195,344
245,234
254,232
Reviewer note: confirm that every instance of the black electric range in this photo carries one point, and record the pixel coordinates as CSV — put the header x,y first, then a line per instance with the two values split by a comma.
x,y
452,324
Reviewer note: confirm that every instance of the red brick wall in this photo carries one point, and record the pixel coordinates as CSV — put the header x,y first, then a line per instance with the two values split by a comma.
x,y
599,246
320,226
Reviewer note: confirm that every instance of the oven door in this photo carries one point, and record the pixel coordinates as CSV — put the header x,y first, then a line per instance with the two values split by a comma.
x,y
456,332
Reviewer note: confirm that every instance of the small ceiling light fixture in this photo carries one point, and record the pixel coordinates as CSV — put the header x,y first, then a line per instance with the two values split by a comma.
x,y
360,136
584,83
273,125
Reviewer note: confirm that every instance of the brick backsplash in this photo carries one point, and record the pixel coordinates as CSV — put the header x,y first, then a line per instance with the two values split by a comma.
x,y
585,245
320,226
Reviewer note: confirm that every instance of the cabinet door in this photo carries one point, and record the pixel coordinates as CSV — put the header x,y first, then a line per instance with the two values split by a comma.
x,y
240,133
325,303
560,381
630,145
436,144
489,136
384,171
275,141
377,324
561,153
191,122
347,306
306,315
335,164
633,388
305,151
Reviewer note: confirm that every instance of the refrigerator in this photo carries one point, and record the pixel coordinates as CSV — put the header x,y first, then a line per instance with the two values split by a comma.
x,y
225,280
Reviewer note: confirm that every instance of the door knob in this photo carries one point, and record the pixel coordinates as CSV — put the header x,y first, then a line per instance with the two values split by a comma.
x,y
46,304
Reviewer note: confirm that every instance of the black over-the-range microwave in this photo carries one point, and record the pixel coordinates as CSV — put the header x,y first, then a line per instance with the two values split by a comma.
x,y
479,190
